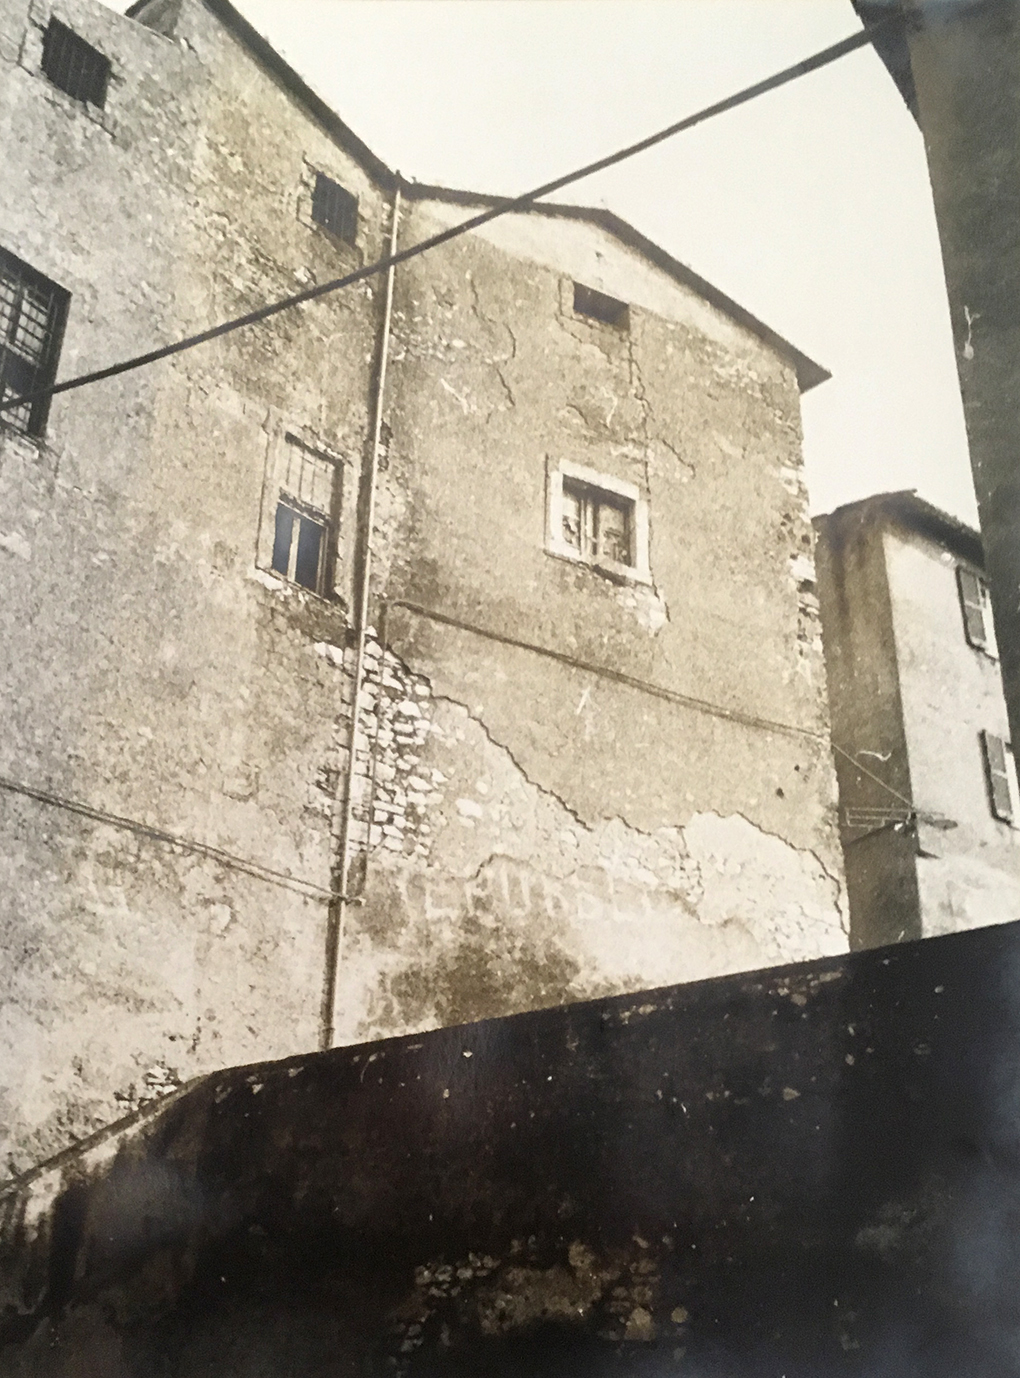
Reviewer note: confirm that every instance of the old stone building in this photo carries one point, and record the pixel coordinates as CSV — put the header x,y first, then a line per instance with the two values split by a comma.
x,y
929,810
591,747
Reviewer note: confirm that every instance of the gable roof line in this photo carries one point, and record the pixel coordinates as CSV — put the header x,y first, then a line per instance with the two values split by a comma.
x,y
809,374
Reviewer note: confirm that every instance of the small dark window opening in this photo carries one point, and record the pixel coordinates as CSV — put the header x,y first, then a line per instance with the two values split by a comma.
x,y
74,65
997,775
32,315
598,525
334,208
588,302
299,545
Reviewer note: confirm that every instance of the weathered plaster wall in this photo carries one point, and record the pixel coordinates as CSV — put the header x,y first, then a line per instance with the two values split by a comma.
x,y
526,831
867,723
969,872
569,835
148,669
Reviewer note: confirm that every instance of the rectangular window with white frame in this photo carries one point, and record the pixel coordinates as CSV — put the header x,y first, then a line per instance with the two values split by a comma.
x,y
306,494
976,607
598,520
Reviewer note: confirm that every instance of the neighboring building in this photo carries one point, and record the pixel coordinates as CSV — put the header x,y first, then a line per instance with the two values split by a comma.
x,y
595,756
928,802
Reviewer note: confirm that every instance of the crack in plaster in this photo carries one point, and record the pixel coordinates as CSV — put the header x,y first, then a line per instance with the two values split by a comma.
x,y
649,833
492,322
544,790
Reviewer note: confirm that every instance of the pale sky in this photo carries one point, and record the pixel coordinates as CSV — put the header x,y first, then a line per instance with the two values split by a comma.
x,y
810,206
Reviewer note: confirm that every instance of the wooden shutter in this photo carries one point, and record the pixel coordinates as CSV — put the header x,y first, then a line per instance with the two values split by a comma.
x,y
997,773
972,604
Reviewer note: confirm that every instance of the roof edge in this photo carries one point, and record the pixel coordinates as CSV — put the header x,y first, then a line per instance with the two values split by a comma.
x,y
295,86
891,45
809,373
906,509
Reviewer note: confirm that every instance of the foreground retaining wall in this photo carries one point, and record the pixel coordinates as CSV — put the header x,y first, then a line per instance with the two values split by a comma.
x,y
805,1171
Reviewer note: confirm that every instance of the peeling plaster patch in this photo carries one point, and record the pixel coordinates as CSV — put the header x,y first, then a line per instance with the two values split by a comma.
x,y
472,910
334,654
612,1290
270,581
465,405
784,897
968,344
792,480
15,544
802,568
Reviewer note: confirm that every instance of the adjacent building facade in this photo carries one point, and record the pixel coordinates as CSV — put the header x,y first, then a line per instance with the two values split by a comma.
x,y
929,810
559,472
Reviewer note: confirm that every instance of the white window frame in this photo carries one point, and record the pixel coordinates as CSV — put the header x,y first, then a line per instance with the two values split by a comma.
x,y
639,571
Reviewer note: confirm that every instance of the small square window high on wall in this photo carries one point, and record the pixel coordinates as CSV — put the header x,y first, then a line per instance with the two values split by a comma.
x,y
335,208
74,65
32,315
304,521
597,306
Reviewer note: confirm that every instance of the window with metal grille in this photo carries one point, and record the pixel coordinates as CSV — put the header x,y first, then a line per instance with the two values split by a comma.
x,y
588,302
598,525
335,208
32,315
304,520
74,65
976,606
999,775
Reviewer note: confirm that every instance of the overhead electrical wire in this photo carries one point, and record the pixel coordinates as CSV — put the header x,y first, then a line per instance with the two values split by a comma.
x,y
187,844
501,207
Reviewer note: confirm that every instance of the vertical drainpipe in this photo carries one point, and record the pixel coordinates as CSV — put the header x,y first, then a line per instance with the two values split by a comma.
x,y
338,905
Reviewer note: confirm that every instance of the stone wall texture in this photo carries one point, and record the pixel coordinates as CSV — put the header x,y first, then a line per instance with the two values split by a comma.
x,y
566,784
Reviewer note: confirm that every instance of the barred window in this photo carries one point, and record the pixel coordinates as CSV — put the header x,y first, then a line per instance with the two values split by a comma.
x,y
304,516
335,208
32,315
74,65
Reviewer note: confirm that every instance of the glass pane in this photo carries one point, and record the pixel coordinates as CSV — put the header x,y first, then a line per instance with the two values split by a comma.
x,y
306,571
614,533
572,518
281,542
29,337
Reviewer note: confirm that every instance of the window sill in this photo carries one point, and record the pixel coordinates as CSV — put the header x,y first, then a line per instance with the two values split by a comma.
x,y
276,583
608,569
31,446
